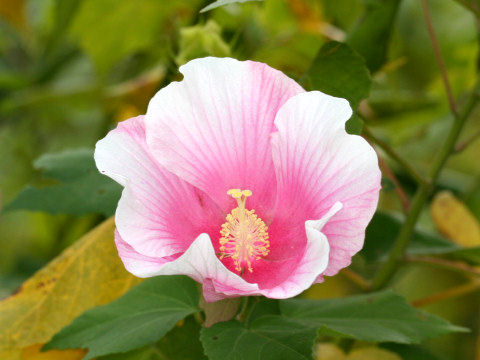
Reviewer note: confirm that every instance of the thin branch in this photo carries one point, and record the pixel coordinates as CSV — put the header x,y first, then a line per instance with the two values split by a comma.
x,y
385,273
393,154
398,188
360,281
464,144
456,266
439,58
453,292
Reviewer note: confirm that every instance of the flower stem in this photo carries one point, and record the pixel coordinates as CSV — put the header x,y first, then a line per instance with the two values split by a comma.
x,y
247,306
388,270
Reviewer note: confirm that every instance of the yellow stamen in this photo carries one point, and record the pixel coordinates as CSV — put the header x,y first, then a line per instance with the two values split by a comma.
x,y
244,234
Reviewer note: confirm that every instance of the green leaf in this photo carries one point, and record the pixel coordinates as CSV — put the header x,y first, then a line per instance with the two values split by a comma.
x,y
267,338
183,342
108,30
371,35
354,126
382,232
470,255
379,317
180,343
63,14
87,274
79,189
142,316
219,3
264,306
339,71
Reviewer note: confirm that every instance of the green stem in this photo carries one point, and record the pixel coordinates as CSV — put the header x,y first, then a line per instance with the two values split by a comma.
x,y
247,306
394,155
389,268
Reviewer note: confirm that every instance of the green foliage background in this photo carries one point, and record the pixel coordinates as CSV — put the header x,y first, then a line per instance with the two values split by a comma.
x,y
71,69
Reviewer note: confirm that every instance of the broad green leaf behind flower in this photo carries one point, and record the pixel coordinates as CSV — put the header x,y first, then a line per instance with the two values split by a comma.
x,y
267,338
380,317
79,190
370,37
140,317
180,343
109,30
339,71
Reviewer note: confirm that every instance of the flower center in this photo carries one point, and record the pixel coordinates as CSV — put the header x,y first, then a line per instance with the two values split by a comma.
x,y
244,234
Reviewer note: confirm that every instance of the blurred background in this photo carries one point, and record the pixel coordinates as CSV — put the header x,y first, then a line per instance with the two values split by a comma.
x,y
71,69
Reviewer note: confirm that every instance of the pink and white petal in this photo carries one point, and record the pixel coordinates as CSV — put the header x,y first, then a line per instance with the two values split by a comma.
x,y
317,164
139,265
212,129
159,214
201,264
312,264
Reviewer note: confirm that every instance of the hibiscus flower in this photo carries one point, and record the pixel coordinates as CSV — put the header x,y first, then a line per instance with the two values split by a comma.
x,y
242,180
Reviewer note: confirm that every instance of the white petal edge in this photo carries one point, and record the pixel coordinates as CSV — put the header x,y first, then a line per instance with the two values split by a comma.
x,y
317,163
314,261
151,215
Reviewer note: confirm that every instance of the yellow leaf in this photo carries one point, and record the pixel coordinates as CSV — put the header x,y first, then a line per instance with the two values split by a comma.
x,y
372,353
87,274
33,353
454,219
15,354
327,351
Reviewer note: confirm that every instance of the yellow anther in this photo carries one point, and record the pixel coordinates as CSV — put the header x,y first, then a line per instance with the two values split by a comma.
x,y
235,193
244,234
246,193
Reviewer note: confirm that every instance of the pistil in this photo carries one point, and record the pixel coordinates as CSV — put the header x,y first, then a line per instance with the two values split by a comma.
x,y
244,234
